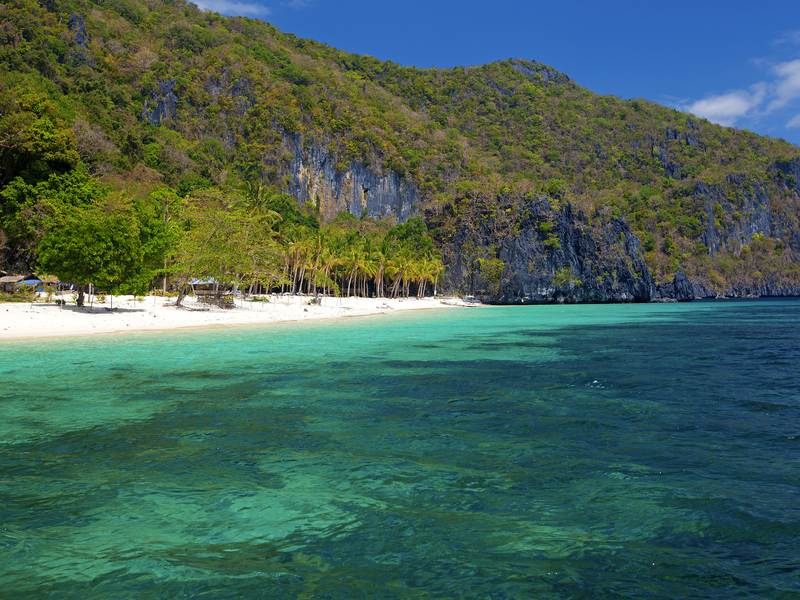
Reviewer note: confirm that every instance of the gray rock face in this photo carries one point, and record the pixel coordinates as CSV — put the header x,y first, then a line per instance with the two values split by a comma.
x,y
671,168
764,290
753,212
701,291
161,105
690,139
680,289
541,74
76,26
551,257
79,54
359,189
789,172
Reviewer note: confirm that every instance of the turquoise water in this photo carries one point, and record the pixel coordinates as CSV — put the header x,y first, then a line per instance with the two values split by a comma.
x,y
530,452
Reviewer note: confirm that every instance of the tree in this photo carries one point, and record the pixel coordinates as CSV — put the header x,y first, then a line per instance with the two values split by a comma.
x,y
29,209
492,272
261,199
160,215
564,279
34,140
95,244
228,242
414,234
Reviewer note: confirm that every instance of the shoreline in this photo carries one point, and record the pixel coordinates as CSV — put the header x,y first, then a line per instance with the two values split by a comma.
x,y
43,320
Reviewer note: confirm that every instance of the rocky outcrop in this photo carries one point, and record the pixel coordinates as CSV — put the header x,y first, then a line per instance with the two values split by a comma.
x,y
160,106
541,73
78,29
689,139
79,54
680,289
744,208
552,256
310,172
359,189
763,290
671,168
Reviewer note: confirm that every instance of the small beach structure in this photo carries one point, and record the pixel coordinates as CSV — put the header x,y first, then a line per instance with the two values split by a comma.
x,y
10,282
209,291
48,279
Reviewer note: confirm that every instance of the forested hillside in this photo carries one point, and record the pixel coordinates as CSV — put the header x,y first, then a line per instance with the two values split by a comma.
x,y
531,186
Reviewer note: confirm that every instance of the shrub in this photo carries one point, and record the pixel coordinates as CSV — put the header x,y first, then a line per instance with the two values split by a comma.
x,y
564,279
553,242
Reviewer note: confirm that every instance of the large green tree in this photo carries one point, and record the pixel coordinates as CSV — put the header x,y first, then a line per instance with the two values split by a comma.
x,y
28,209
96,244
159,222
226,240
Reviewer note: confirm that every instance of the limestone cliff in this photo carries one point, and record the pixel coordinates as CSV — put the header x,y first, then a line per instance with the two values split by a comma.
x,y
552,255
752,231
359,189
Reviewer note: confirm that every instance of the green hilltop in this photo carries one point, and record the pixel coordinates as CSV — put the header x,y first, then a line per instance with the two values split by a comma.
x,y
509,163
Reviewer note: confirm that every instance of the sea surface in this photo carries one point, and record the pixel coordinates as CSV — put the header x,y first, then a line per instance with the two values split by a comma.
x,y
618,451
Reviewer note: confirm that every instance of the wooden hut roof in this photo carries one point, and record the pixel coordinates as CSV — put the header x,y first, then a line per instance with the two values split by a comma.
x,y
12,278
48,278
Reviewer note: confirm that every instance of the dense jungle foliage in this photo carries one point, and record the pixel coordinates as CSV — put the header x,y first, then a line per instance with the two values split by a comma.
x,y
143,95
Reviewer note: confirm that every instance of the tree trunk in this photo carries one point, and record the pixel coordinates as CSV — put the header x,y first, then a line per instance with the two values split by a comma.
x,y
302,277
80,301
181,295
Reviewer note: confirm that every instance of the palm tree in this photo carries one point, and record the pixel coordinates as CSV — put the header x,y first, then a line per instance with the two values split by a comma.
x,y
369,263
438,269
384,254
331,258
301,264
316,246
425,270
399,270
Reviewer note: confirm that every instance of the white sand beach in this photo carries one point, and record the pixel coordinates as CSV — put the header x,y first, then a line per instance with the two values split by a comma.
x,y
42,319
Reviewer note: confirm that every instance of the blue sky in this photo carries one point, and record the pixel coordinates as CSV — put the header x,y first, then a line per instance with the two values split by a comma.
x,y
736,63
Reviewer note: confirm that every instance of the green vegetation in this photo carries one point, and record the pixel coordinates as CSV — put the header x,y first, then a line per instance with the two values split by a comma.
x,y
159,95
92,245
565,279
491,270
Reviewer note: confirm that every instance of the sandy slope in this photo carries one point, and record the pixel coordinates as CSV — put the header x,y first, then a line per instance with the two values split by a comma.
x,y
22,321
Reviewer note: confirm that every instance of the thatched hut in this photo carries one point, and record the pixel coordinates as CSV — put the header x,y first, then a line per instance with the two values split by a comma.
x,y
10,282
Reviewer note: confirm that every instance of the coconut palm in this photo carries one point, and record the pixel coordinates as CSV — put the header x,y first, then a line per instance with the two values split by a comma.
x,y
383,255
399,269
369,263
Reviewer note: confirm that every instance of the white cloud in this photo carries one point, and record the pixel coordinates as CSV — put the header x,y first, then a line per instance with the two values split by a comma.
x,y
231,7
760,100
788,87
787,37
300,4
725,109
